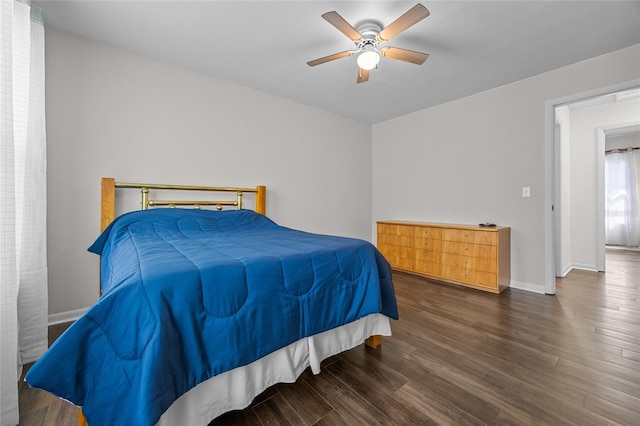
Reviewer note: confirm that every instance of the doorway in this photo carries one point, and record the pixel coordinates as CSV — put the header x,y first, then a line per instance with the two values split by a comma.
x,y
558,258
622,191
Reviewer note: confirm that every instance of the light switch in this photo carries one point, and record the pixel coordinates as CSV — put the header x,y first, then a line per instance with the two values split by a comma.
x,y
526,192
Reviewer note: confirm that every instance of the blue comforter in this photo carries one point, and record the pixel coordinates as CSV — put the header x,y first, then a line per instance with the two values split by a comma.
x,y
189,294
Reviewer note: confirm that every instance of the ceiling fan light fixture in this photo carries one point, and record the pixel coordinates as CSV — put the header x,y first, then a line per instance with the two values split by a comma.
x,y
368,60
367,34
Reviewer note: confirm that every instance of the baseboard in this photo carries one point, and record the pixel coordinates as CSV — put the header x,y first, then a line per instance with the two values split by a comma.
x,y
622,248
584,267
534,288
68,316
566,271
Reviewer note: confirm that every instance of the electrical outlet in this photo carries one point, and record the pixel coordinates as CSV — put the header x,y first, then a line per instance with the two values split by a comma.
x,y
526,192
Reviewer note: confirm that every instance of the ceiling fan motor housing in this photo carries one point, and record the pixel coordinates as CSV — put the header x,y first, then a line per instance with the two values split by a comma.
x,y
368,29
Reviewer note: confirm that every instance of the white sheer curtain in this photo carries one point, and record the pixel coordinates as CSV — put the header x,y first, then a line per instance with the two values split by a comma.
x,y
622,202
23,260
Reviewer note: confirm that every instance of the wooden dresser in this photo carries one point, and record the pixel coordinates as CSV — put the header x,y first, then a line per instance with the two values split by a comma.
x,y
468,255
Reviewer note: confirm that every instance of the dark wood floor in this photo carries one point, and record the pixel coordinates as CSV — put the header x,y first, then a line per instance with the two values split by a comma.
x,y
460,356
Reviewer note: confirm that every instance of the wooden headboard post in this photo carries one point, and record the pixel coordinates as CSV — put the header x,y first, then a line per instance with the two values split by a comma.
x,y
108,202
261,200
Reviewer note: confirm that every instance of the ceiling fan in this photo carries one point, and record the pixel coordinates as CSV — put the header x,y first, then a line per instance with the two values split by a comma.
x,y
368,34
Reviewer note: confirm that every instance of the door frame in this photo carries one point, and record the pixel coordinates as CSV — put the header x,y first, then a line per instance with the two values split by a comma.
x,y
551,181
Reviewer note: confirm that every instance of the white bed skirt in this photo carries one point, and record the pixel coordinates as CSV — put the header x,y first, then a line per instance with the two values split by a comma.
x,y
235,389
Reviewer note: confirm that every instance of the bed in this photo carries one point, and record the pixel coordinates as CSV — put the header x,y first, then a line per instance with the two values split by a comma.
x,y
202,309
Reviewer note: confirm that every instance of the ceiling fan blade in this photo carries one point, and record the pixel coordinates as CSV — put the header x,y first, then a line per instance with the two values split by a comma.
x,y
342,25
411,17
417,58
330,58
363,75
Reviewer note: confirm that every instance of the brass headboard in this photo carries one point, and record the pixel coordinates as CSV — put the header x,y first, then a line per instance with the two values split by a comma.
x,y
109,186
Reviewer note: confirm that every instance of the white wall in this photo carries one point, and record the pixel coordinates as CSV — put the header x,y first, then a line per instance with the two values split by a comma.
x,y
584,165
466,161
118,114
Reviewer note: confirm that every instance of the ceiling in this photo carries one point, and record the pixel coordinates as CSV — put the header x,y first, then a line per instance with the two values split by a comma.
x,y
473,45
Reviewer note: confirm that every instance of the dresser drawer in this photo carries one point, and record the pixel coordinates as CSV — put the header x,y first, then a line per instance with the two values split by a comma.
x,y
467,262
424,266
482,251
428,232
428,244
405,263
406,231
396,240
470,236
469,276
386,239
389,250
428,256
387,228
